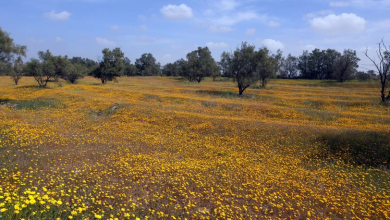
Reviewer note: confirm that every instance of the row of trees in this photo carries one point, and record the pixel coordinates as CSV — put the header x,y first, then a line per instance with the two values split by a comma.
x,y
318,64
245,65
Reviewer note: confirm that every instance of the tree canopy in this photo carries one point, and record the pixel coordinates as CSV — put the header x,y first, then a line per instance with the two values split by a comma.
x,y
200,64
110,66
9,52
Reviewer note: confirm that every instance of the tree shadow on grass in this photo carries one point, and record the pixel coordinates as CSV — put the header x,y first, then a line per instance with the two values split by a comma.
x,y
32,87
225,94
33,104
4,101
367,148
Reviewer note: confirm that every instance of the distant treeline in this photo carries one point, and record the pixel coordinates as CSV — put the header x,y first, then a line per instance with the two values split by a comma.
x,y
246,65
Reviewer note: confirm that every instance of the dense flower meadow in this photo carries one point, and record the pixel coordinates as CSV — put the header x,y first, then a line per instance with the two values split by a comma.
x,y
163,148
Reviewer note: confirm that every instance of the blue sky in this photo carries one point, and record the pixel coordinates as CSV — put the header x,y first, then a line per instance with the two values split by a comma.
x,y
169,29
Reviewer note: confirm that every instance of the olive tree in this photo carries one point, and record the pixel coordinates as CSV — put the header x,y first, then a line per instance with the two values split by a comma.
x,y
200,65
43,70
11,54
346,65
147,65
17,71
267,65
241,65
110,66
290,67
74,72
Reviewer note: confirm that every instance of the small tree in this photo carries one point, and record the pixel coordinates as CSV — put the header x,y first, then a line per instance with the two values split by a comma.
x,y
34,68
362,76
17,71
131,70
200,64
267,65
224,63
241,65
278,62
290,67
111,65
42,70
9,52
147,65
74,72
383,68
346,65
60,64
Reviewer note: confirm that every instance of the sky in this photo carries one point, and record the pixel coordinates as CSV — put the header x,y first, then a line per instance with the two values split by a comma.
x,y
169,29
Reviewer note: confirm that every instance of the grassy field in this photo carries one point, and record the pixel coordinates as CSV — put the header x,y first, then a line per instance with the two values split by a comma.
x,y
164,148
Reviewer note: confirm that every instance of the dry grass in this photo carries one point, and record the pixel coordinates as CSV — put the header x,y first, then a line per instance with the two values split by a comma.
x,y
163,148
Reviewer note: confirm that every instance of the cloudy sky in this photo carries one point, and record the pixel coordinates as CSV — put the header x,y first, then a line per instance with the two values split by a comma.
x,y
169,29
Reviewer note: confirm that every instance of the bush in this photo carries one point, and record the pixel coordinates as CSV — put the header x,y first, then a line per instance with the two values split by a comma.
x,y
362,76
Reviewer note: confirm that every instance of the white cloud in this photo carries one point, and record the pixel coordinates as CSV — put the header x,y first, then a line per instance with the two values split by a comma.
x,y
177,12
35,41
273,24
250,31
143,27
338,4
228,20
58,39
104,42
338,24
227,5
62,16
272,45
142,17
319,13
217,45
114,28
216,28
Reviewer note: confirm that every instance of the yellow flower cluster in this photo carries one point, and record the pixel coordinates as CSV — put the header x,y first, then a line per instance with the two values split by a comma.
x,y
161,148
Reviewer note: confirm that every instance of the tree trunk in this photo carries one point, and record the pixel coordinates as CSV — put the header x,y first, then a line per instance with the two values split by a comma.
x,y
383,95
240,90
264,82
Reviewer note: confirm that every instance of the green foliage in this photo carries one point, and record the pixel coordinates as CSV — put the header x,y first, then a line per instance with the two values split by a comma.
x,y
362,76
131,70
200,64
147,65
345,66
267,65
60,64
319,64
42,70
17,71
111,65
75,72
289,68
9,52
241,65
32,104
